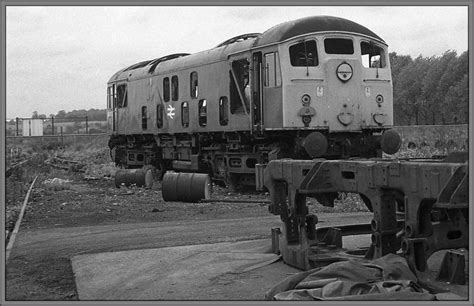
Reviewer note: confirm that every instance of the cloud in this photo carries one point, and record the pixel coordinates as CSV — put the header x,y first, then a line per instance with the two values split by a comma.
x,y
248,14
61,57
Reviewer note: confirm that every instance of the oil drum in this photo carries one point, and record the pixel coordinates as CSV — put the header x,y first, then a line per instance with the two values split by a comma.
x,y
185,187
139,177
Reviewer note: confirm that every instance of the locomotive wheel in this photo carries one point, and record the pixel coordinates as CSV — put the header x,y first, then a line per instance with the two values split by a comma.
x,y
113,152
113,156
158,170
232,182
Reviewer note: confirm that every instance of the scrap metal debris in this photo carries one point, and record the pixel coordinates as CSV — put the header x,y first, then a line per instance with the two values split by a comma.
x,y
57,183
65,164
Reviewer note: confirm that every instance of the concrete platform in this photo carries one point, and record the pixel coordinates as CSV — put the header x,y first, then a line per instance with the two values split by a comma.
x,y
195,272
242,270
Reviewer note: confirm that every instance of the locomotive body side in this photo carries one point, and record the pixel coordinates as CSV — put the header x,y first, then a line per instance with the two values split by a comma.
x,y
315,87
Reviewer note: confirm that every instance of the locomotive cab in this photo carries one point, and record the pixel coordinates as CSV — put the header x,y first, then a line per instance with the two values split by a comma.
x,y
331,76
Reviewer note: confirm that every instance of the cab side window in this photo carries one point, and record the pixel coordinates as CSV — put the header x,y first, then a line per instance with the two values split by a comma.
x,y
373,56
239,86
122,95
304,54
111,93
272,70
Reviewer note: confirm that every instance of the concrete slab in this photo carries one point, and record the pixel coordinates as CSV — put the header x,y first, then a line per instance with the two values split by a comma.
x,y
242,270
171,273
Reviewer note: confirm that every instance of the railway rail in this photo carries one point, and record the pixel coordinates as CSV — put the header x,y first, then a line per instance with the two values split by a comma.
x,y
10,236
16,165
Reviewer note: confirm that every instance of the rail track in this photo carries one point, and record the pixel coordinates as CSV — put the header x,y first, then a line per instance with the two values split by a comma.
x,y
57,161
16,165
10,236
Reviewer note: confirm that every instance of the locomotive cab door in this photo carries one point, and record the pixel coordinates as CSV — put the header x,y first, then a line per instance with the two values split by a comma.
x,y
240,91
257,99
271,89
112,109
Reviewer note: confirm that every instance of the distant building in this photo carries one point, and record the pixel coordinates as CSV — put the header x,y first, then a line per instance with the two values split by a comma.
x,y
32,127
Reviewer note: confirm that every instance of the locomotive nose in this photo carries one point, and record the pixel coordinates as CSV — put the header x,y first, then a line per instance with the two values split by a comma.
x,y
390,142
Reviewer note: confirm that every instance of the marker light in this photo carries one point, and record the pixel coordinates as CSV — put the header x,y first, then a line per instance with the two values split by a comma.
x,y
379,99
306,100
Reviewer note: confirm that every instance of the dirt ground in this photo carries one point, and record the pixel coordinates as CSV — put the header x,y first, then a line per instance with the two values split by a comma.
x,y
80,202
86,199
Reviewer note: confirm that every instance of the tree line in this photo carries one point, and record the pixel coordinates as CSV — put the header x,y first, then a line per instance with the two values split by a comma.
x,y
430,90
426,90
91,114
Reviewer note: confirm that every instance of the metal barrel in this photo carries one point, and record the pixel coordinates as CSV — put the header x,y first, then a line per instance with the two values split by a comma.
x,y
139,177
185,187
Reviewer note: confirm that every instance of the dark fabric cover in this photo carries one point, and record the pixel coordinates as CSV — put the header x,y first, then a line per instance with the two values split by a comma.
x,y
385,278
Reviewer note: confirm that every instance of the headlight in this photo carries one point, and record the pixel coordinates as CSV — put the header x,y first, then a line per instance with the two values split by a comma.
x,y
306,100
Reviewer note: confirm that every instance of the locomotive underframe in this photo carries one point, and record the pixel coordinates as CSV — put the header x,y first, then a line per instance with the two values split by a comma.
x,y
231,157
430,196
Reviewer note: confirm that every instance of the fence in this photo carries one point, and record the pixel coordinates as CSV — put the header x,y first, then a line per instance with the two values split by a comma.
x,y
54,126
16,145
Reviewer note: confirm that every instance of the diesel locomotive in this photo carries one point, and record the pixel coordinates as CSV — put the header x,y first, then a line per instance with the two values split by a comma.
x,y
314,87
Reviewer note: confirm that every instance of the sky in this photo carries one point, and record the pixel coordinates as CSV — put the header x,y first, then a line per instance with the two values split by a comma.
x,y
60,58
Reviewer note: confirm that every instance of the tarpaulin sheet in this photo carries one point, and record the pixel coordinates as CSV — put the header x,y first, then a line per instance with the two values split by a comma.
x,y
385,278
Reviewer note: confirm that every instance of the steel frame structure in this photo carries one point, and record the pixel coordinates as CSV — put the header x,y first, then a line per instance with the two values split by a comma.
x,y
431,196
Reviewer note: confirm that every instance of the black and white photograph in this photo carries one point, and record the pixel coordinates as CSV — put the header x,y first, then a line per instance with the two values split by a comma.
x,y
241,153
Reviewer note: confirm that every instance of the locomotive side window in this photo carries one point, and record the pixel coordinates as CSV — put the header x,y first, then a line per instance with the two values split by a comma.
x,y
122,95
159,116
373,56
166,89
304,54
110,96
112,101
223,111
185,114
272,70
338,46
193,79
144,118
174,88
202,112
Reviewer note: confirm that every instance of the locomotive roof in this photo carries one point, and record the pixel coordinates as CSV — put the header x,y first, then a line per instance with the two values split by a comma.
x,y
312,24
276,34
